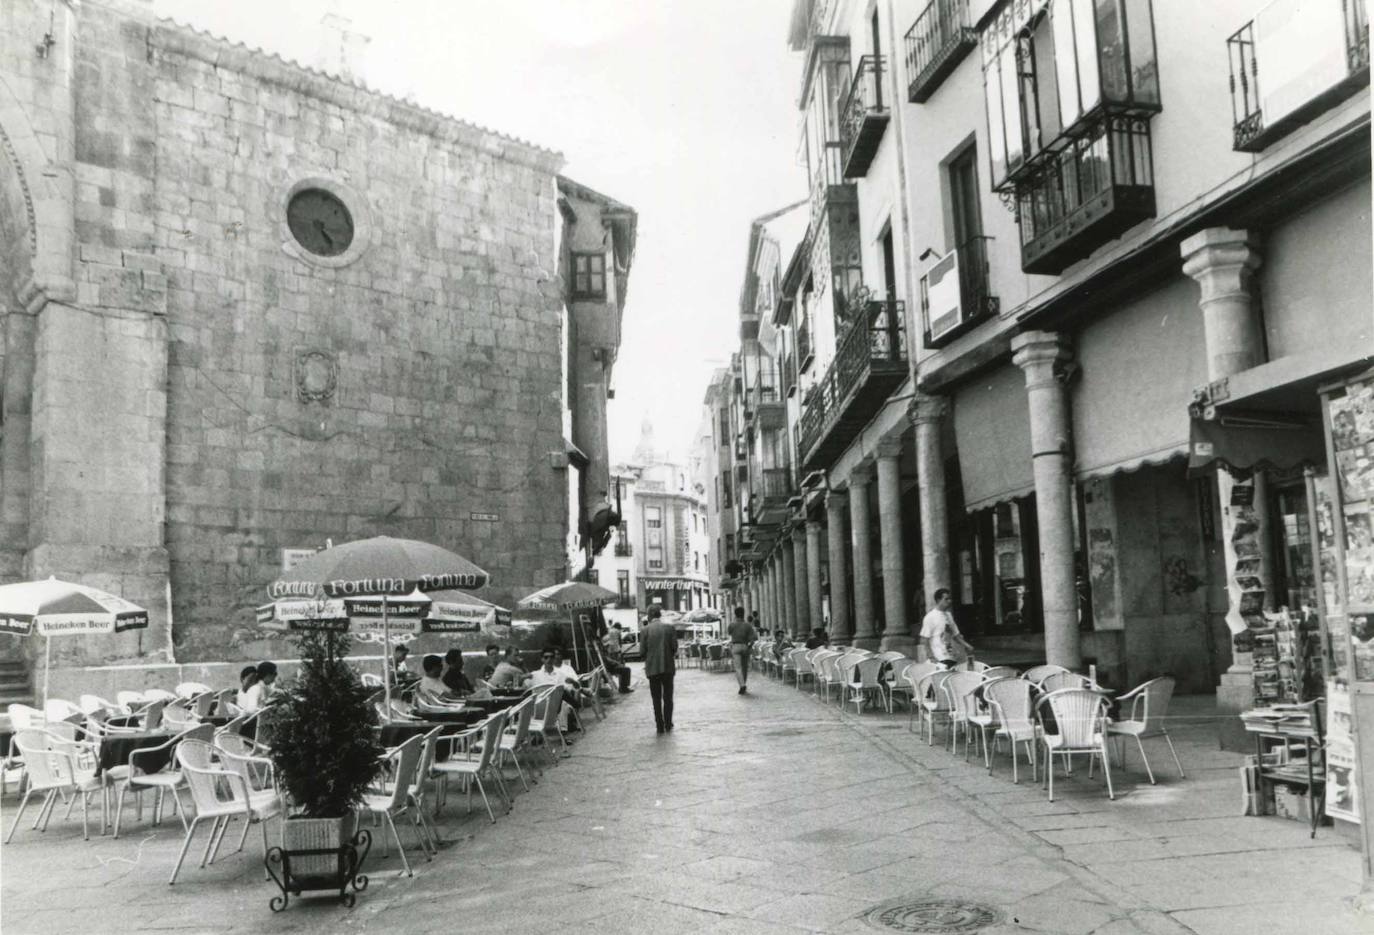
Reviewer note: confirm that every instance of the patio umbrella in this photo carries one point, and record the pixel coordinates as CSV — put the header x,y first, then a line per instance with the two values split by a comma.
x,y
461,612
569,596
61,608
380,567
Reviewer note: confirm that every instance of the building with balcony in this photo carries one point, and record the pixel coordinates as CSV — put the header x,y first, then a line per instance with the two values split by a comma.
x,y
1066,339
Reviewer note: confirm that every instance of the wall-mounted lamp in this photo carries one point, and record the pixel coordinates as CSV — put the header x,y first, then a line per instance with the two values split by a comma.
x,y
926,254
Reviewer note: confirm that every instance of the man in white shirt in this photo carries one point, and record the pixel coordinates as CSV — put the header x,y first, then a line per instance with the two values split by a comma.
x,y
940,634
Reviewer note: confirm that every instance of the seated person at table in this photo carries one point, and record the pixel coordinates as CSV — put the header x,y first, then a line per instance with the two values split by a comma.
x,y
817,639
551,673
508,675
431,689
258,695
493,660
781,644
455,680
611,657
400,673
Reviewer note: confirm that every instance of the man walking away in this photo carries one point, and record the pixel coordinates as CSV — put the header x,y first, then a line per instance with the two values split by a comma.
x,y
742,637
660,651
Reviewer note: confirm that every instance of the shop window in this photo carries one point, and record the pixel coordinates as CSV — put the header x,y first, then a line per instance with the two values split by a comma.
x,y
589,275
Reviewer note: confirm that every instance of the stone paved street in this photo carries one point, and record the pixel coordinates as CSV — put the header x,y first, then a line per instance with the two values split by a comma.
x,y
771,813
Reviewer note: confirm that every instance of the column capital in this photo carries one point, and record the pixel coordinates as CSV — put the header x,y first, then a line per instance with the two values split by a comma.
x,y
836,499
814,525
1223,261
925,410
863,473
1045,356
888,447
799,535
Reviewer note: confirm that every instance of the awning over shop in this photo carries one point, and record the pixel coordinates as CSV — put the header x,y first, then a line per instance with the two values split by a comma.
x,y
1137,371
992,427
1243,443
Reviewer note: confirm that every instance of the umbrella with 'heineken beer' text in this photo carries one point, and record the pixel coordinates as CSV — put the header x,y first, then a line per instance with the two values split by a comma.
x,y
382,569
61,608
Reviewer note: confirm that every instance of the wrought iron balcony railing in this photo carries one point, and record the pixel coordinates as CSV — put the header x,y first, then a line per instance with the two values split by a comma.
x,y
1314,63
1092,188
935,44
864,116
870,361
624,549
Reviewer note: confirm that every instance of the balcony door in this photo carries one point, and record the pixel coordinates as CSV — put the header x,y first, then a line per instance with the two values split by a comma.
x,y
963,192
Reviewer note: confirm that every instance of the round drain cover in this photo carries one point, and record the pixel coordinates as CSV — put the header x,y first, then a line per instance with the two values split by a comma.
x,y
932,915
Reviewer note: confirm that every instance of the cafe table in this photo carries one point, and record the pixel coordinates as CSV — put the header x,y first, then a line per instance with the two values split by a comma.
x,y
115,750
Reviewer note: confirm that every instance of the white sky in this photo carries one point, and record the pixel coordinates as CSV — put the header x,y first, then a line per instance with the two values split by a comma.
x,y
683,109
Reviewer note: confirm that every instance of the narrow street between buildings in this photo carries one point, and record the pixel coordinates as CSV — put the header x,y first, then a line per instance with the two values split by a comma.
x,y
766,813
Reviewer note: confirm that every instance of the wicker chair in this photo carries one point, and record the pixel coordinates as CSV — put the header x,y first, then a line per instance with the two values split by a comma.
x,y
56,767
962,704
392,799
933,701
1035,674
1080,717
1149,711
473,757
220,795
1011,703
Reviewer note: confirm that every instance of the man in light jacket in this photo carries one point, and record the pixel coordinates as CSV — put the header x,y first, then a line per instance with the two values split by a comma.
x,y
660,654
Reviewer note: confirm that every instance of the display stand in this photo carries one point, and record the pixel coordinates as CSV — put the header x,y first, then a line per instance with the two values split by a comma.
x,y
1276,732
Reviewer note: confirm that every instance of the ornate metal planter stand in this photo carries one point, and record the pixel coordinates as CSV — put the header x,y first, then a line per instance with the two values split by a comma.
x,y
349,857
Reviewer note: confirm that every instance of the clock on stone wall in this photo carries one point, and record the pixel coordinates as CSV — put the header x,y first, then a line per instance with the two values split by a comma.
x,y
320,222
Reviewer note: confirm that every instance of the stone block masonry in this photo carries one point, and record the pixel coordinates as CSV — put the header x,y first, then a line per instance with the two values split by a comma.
x,y
192,391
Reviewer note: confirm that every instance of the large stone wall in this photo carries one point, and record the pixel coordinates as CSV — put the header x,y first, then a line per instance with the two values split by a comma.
x,y
208,395
399,394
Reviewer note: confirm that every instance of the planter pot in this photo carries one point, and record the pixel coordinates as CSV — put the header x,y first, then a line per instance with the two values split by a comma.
x,y
316,855
314,834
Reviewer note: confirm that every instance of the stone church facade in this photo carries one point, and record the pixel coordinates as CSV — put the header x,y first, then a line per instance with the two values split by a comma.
x,y
249,308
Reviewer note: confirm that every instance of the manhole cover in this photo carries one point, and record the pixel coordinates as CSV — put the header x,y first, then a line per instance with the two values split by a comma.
x,y
932,915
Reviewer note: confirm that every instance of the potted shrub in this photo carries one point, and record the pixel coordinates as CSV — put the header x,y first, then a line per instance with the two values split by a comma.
x,y
326,755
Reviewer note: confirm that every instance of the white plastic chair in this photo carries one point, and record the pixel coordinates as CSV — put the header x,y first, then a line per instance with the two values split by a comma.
x,y
1080,717
220,795
177,715
999,672
801,666
131,700
1056,681
1149,711
189,690
547,705
159,694
58,709
57,766
1010,700
1035,674
863,683
959,689
394,798
371,681
133,775
933,700
95,705
913,676
23,717
472,757
516,737
896,682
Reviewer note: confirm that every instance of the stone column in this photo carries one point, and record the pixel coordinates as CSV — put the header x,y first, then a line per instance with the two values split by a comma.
x,y
1041,355
813,574
841,630
898,635
1223,261
788,585
926,414
803,600
859,481
775,590
770,593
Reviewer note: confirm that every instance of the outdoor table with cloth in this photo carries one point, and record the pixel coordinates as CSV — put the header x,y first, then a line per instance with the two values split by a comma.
x,y
115,750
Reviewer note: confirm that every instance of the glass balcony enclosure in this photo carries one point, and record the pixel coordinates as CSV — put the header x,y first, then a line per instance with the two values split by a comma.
x,y
1069,87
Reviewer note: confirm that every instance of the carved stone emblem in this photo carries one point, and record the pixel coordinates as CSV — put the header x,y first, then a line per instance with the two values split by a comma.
x,y
317,375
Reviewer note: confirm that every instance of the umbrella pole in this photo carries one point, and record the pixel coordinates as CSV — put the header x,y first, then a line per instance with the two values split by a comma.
x,y
47,667
386,656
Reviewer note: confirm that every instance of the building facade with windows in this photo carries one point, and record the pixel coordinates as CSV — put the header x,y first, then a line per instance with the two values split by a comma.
x,y
1073,277
251,307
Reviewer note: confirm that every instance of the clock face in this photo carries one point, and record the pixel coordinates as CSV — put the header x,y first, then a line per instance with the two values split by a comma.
x,y
320,222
